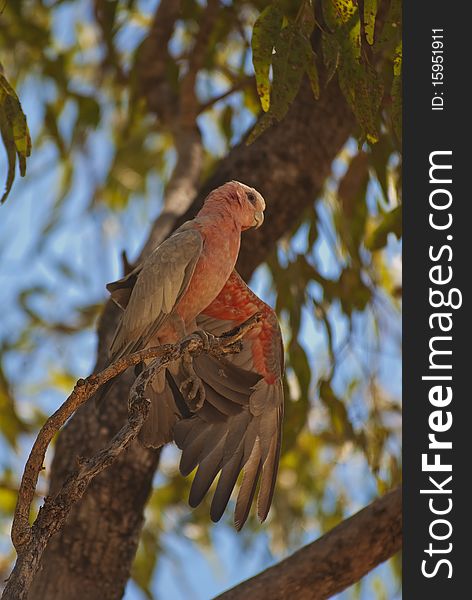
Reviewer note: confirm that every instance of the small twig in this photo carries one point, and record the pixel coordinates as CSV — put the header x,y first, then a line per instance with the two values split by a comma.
x,y
189,107
30,541
239,85
152,60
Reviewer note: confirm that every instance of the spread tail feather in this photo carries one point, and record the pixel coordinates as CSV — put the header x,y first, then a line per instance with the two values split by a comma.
x,y
163,414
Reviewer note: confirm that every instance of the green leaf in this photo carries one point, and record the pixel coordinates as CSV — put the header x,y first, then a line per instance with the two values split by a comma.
x,y
14,131
226,122
397,94
7,500
11,424
289,64
391,32
338,12
145,561
89,111
312,71
340,424
359,82
264,37
352,214
293,57
390,223
370,12
331,54
379,156
397,61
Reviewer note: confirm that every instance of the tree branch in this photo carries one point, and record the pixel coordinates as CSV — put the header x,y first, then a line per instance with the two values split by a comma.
x,y
30,541
183,184
336,560
189,106
152,59
236,87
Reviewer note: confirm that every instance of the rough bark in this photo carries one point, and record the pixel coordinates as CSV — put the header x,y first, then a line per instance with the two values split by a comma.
x,y
92,555
333,562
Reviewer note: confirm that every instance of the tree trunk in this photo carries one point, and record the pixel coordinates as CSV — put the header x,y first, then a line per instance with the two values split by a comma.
x,y
92,556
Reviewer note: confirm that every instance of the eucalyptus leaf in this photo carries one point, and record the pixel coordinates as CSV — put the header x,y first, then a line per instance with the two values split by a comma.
x,y
264,37
14,131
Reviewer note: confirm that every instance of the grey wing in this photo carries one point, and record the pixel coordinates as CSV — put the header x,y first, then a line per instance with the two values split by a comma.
x,y
120,290
159,284
239,428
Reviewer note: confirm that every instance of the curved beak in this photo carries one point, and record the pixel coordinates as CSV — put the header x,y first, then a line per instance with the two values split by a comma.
x,y
258,218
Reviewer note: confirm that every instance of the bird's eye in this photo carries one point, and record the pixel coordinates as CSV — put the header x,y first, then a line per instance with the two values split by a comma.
x,y
251,197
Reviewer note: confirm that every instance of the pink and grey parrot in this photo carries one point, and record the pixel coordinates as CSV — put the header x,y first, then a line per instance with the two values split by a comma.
x,y
229,419
163,296
239,426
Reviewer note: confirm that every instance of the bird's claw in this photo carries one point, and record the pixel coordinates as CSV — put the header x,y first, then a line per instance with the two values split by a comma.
x,y
207,338
193,392
192,387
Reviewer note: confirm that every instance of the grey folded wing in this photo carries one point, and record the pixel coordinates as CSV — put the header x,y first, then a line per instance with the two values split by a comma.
x,y
150,292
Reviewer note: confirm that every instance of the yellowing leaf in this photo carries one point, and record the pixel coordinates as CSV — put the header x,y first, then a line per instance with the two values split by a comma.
x,y
14,131
264,37
359,82
338,12
62,380
7,500
396,93
293,57
397,61
370,12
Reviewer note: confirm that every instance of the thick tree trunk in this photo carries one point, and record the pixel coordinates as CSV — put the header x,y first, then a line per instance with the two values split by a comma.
x,y
91,557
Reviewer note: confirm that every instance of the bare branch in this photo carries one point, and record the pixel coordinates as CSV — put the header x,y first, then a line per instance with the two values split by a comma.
x,y
189,108
236,87
181,188
336,560
183,184
30,541
152,60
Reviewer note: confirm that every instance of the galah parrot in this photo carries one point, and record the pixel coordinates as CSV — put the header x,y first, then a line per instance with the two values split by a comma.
x,y
163,296
239,426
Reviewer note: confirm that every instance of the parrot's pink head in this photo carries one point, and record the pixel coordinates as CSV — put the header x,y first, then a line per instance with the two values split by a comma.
x,y
244,203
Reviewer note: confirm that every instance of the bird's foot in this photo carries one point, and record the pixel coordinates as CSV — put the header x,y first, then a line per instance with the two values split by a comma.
x,y
193,392
207,339
192,387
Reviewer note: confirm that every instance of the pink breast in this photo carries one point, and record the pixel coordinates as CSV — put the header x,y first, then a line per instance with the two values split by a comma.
x,y
211,273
